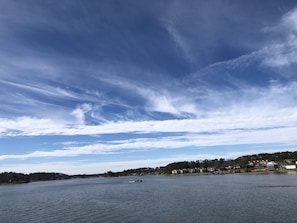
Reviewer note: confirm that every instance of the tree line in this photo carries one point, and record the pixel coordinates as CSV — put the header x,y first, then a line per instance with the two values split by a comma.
x,y
13,178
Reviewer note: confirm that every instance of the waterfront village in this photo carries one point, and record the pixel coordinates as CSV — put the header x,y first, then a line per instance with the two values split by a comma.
x,y
255,166
280,162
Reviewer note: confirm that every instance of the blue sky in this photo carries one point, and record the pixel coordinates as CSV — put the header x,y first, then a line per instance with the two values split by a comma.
x,y
91,86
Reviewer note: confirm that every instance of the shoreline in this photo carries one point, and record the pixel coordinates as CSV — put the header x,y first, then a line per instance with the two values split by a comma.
x,y
168,175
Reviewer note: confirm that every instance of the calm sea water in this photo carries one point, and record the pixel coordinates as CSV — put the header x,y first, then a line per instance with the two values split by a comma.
x,y
212,198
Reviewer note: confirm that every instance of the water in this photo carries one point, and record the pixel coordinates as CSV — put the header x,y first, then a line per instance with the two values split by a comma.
x,y
212,198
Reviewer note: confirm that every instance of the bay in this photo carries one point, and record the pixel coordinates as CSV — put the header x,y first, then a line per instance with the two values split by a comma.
x,y
196,198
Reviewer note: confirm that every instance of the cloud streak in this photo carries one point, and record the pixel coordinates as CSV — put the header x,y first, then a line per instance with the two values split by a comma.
x,y
257,105
281,136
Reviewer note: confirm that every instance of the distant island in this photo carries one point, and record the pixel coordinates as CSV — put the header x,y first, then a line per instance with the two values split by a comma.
x,y
16,178
257,163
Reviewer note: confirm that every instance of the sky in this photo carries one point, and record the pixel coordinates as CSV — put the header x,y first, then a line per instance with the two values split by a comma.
x,y
94,86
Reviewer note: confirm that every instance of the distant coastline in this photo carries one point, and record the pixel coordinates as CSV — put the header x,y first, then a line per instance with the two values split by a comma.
x,y
280,162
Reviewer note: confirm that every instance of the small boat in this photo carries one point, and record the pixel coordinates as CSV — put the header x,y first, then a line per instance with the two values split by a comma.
x,y
135,181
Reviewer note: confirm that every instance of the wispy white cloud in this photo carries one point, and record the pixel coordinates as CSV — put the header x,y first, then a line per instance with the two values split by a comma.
x,y
253,108
164,101
281,55
180,42
80,111
28,124
39,88
289,20
284,52
238,134
157,97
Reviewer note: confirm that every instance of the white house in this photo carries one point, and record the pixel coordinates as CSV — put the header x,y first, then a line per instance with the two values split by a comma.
x,y
290,167
271,164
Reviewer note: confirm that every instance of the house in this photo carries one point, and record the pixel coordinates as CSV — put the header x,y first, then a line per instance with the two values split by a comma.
x,y
271,164
174,172
290,167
